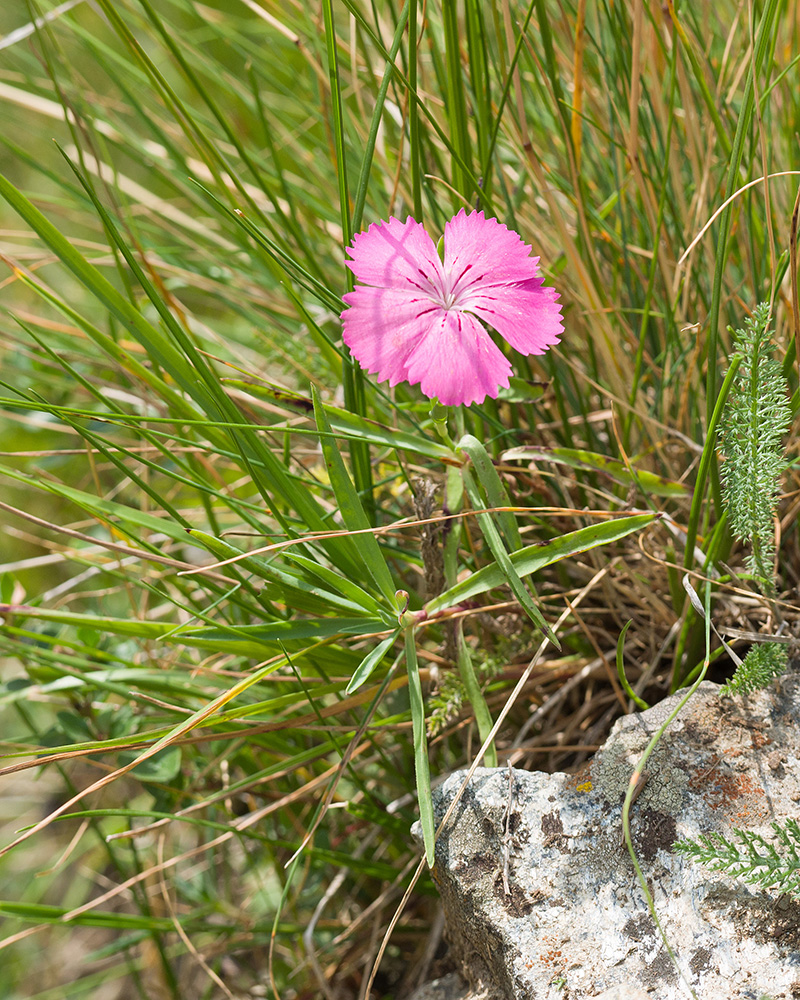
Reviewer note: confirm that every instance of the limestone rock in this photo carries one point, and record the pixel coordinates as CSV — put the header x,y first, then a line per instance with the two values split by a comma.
x,y
573,921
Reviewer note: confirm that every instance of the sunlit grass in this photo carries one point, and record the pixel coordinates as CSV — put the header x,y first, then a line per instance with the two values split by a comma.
x,y
165,318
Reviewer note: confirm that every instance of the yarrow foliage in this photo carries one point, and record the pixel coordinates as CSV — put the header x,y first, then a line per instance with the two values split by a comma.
x,y
754,859
756,419
764,661
417,319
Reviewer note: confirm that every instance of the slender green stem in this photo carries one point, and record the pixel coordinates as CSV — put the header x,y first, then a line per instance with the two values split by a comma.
x,y
638,776
414,136
709,450
421,764
380,100
352,375
456,102
737,151
483,716
639,702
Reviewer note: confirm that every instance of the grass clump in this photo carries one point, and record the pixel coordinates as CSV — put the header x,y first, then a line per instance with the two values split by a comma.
x,y
225,599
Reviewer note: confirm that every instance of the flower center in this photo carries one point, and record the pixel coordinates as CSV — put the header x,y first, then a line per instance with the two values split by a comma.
x,y
455,287
448,294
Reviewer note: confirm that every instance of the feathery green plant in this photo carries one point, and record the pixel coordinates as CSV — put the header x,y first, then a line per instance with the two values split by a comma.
x,y
763,662
755,422
751,857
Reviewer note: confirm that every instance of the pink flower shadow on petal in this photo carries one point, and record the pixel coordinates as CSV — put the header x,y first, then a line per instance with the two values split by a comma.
x,y
413,318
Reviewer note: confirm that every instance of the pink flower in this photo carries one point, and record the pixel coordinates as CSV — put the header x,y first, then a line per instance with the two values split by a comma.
x,y
416,318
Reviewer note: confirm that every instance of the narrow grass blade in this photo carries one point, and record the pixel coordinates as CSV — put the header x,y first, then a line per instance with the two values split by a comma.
x,y
535,557
496,495
158,347
504,563
273,632
639,702
709,451
415,150
43,913
352,375
348,424
177,403
205,390
364,543
456,105
377,114
421,765
123,517
302,591
741,138
483,716
577,458
247,640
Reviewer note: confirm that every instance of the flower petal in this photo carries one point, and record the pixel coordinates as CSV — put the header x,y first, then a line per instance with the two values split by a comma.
x,y
383,326
396,254
482,252
457,361
413,318
527,314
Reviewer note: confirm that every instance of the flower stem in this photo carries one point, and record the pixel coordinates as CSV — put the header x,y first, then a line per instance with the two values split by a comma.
x,y
483,716
439,415
421,765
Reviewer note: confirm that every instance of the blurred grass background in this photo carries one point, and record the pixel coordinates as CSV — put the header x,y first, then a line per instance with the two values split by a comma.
x,y
231,149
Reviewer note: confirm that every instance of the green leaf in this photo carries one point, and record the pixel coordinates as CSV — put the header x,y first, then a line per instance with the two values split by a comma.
x,y
639,702
104,510
298,590
162,768
706,463
303,628
373,563
535,557
421,765
576,458
520,390
345,423
483,716
245,639
195,378
159,347
504,564
41,913
346,592
369,663
496,495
